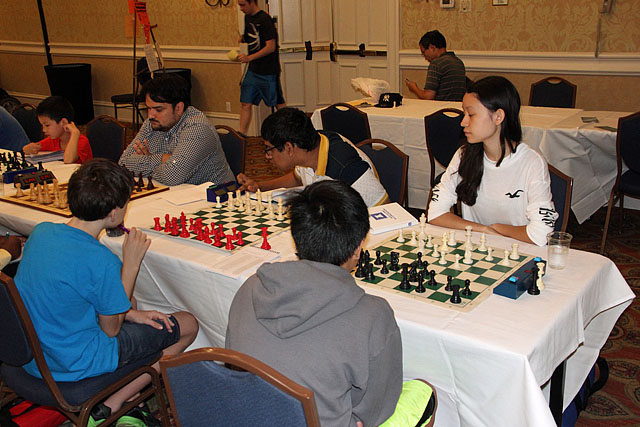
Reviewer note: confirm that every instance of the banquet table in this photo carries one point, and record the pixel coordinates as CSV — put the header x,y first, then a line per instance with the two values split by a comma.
x,y
581,150
491,366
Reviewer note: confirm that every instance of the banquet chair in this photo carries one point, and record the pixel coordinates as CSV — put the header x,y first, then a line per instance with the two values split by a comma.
x,y
125,100
443,135
234,146
347,120
26,115
244,392
627,183
392,166
74,399
553,92
561,189
107,137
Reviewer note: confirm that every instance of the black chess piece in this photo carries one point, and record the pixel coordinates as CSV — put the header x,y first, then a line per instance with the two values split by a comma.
x,y
466,291
370,275
367,257
40,166
140,183
360,270
150,185
395,261
455,298
420,288
432,278
448,286
404,284
533,289
413,273
378,261
384,269
419,262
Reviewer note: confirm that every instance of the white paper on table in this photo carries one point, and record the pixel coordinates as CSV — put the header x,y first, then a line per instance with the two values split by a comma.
x,y
187,195
243,263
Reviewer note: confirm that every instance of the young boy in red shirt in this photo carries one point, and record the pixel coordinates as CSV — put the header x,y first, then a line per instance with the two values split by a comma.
x,y
55,114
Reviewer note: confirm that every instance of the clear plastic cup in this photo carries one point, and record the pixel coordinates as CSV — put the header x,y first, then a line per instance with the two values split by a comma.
x,y
558,243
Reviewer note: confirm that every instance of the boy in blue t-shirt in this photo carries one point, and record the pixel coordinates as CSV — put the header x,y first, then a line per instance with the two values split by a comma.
x,y
78,293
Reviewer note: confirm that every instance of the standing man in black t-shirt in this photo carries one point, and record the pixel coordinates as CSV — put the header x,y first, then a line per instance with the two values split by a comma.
x,y
262,80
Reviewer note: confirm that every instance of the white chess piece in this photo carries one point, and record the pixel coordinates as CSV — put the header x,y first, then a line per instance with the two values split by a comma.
x,y
514,252
505,260
218,204
280,216
483,243
540,284
489,257
457,263
400,238
445,238
420,245
467,256
429,241
269,197
230,200
258,208
435,252
270,213
238,199
413,241
452,238
442,260
423,223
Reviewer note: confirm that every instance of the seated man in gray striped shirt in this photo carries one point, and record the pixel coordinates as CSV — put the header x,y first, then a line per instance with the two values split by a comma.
x,y
446,79
176,144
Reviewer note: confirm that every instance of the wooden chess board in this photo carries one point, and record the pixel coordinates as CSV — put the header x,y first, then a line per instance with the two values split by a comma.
x,y
51,208
484,275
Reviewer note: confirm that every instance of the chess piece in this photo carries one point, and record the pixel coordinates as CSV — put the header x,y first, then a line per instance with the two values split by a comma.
x,y
150,185
19,192
448,285
420,288
32,192
270,213
370,275
539,282
442,260
483,243
230,200
505,260
39,190
455,297
457,263
384,269
467,256
238,199
533,289
413,241
229,246
435,252
400,238
378,260
423,222
395,263
429,241
445,239
452,238
420,245
240,241
280,216
489,257
404,283
515,255
156,226
432,279
467,290
218,204
265,244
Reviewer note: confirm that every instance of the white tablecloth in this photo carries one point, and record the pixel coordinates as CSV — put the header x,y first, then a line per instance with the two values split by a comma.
x,y
580,150
488,365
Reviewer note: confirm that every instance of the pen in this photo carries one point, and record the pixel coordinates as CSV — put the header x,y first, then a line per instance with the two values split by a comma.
x,y
123,228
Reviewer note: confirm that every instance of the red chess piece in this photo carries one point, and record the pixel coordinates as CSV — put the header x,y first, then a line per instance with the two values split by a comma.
x,y
216,240
167,223
240,242
229,245
200,236
220,230
185,233
207,239
235,233
265,244
157,225
191,224
175,230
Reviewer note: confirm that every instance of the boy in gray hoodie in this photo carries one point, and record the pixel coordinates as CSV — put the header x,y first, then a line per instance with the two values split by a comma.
x,y
309,320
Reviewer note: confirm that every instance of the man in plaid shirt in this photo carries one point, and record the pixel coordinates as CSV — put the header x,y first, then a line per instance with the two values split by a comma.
x,y
176,144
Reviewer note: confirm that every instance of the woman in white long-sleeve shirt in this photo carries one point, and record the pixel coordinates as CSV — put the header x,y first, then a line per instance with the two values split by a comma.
x,y
503,185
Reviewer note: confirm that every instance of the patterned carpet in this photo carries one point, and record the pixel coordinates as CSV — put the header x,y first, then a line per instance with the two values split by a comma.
x,y
618,402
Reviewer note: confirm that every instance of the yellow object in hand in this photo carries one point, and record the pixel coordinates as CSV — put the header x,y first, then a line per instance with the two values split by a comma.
x,y
233,55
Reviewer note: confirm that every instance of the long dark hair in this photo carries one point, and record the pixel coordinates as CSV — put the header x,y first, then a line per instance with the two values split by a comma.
x,y
494,92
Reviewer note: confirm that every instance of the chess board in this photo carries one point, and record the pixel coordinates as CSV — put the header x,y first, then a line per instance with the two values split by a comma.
x,y
51,208
484,275
250,225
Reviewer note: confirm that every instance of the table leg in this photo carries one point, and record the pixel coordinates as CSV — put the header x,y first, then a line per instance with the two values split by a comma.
x,y
556,393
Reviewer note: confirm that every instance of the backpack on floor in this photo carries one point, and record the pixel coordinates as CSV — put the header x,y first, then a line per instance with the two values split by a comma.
x,y
590,386
22,413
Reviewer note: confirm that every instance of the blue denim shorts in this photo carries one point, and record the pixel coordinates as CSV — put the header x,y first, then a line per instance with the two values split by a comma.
x,y
136,341
256,87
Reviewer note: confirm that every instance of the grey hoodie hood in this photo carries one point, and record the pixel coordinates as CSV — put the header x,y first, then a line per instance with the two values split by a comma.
x,y
286,305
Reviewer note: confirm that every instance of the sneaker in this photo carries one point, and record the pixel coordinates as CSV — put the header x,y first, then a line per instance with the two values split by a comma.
x,y
99,413
138,417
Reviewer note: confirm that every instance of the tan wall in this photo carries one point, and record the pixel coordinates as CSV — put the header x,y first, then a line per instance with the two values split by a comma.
x,y
525,25
179,23
595,93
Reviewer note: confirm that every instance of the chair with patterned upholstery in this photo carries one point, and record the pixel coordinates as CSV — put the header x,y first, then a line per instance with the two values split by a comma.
x,y
347,120
73,399
392,166
553,92
225,387
107,137
627,153
234,146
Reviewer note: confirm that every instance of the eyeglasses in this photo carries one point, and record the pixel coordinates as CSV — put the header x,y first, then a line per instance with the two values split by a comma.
x,y
268,149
